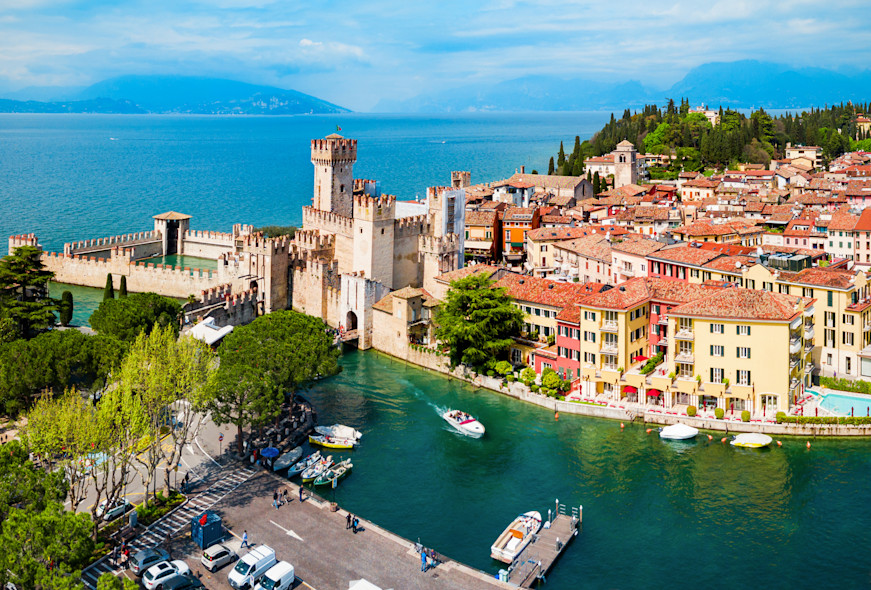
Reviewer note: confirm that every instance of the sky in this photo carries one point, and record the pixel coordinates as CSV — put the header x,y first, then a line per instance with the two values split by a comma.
x,y
355,53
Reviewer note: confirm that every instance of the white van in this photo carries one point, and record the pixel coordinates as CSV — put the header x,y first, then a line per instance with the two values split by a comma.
x,y
279,577
253,564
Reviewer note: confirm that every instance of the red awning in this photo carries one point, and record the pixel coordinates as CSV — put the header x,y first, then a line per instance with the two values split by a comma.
x,y
639,358
629,389
653,393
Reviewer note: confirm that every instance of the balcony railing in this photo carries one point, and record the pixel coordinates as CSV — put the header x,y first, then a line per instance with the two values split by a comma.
x,y
794,345
609,326
684,357
663,341
808,347
808,332
795,324
809,368
627,272
609,348
793,362
809,312
684,334
663,320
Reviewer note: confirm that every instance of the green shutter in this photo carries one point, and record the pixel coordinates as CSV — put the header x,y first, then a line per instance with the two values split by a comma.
x,y
738,352
748,330
711,326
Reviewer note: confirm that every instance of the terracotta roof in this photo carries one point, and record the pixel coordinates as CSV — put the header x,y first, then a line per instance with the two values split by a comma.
x,y
842,220
728,249
483,218
386,303
571,314
548,181
594,246
817,276
556,219
557,233
685,254
172,216
864,223
700,183
705,228
541,291
520,213
461,273
731,264
737,303
639,247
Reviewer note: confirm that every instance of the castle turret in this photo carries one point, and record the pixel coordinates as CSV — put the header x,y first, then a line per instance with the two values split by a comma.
x,y
333,158
625,166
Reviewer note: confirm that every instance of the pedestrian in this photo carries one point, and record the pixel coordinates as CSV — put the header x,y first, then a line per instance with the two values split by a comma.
x,y
169,543
355,524
115,556
245,539
126,555
347,519
285,496
423,560
300,493
275,499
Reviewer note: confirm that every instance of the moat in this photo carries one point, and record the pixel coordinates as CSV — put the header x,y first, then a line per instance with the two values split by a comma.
x,y
655,513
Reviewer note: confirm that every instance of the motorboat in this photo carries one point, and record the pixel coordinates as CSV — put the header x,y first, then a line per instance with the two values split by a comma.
x,y
332,442
464,423
339,431
317,469
287,459
303,464
751,440
516,537
678,432
332,475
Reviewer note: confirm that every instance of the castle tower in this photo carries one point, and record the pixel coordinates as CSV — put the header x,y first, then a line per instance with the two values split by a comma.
x,y
625,167
333,158
374,238
461,179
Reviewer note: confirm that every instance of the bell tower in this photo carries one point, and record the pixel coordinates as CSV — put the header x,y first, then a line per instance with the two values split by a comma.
x,y
333,158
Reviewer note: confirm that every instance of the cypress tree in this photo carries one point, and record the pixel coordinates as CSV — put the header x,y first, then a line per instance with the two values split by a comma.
x,y
561,157
109,289
597,183
550,167
122,289
66,308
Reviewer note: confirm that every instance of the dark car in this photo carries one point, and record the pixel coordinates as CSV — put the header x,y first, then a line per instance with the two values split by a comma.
x,y
142,560
182,582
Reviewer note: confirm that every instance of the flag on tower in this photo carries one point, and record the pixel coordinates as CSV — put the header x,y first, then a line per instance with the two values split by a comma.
x,y
338,128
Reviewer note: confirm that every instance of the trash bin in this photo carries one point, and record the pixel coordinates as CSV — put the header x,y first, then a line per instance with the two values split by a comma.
x,y
206,529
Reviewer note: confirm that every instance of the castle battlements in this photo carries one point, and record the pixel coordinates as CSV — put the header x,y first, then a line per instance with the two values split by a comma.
x,y
22,240
326,221
257,244
438,245
193,234
374,208
312,239
97,243
413,225
332,149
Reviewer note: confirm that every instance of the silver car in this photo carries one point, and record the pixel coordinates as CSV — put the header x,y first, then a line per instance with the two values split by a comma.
x,y
217,556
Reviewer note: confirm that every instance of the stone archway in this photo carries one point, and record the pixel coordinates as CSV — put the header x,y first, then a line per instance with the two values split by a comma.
x,y
350,321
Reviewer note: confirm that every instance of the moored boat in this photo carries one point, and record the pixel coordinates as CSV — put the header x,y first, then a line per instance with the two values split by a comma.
x,y
464,423
287,459
332,442
678,432
339,431
751,440
334,473
318,468
303,464
516,537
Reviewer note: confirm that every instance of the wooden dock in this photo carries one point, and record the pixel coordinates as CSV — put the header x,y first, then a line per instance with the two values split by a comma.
x,y
538,557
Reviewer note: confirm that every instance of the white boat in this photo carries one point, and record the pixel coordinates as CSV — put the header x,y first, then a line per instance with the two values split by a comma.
x,y
751,440
678,432
317,469
516,537
287,459
464,423
339,431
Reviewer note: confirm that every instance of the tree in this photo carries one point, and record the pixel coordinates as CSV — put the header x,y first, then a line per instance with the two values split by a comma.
x,y
122,288
551,380
550,166
126,318
561,156
527,376
266,361
66,308
24,290
109,289
477,321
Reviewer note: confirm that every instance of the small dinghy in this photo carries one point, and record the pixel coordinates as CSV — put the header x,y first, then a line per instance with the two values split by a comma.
x,y
751,440
332,442
287,459
303,464
516,537
464,423
318,468
339,431
678,432
334,473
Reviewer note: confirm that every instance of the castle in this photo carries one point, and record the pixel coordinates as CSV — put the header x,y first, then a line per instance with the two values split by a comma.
x,y
355,246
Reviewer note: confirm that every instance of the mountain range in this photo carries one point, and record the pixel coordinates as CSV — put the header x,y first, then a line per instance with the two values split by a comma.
x,y
167,94
739,84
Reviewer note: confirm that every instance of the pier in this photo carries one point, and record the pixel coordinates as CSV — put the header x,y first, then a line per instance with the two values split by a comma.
x,y
547,545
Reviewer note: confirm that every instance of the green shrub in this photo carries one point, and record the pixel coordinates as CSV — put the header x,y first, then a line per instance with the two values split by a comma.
x,y
551,340
719,413
503,368
842,384
651,363
528,376
745,416
65,308
491,373
854,420
534,388
509,378
671,375
691,410
779,417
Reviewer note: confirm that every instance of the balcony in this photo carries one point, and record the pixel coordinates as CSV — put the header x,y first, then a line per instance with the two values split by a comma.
x,y
794,345
663,320
609,348
808,347
609,326
809,368
795,324
684,357
809,312
684,334
627,272
867,326
663,341
793,362
808,332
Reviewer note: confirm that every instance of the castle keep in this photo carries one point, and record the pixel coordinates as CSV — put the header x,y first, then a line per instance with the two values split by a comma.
x,y
355,246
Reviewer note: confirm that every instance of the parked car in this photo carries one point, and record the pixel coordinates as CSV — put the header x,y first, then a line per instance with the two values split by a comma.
x,y
182,582
253,564
144,559
217,556
279,577
156,575
114,510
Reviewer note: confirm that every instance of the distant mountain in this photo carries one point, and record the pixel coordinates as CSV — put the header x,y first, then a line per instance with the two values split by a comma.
x,y
174,94
740,84
99,105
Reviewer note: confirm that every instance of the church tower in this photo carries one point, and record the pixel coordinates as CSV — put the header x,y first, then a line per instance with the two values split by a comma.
x,y
333,158
625,166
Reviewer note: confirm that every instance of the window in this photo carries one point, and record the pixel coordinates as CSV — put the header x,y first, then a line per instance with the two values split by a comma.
x,y
829,359
590,315
751,284
656,309
743,330
489,234
537,311
829,319
694,273
829,338
544,248
767,286
829,297
716,375
849,365
716,328
590,357
848,319
716,350
507,235
743,352
807,292
743,377
589,336
847,338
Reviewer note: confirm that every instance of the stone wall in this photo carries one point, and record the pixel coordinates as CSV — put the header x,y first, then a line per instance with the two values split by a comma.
x,y
206,244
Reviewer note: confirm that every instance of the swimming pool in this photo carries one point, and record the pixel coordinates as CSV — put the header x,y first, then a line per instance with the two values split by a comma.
x,y
841,403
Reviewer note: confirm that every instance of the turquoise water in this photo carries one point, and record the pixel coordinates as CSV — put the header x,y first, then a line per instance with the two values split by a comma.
x,y
184,261
656,515
72,177
842,404
85,300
